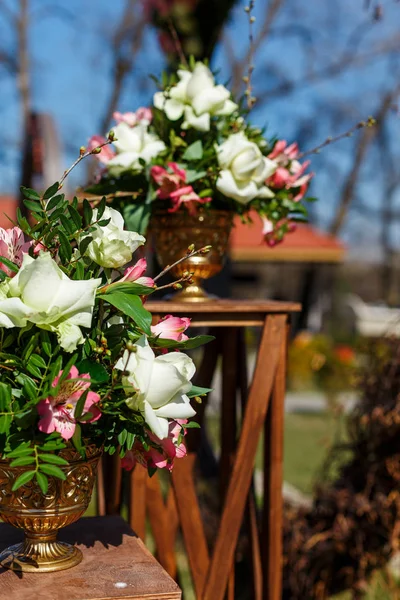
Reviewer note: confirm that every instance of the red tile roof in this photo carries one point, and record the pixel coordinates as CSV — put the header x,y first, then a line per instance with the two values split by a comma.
x,y
306,244
8,207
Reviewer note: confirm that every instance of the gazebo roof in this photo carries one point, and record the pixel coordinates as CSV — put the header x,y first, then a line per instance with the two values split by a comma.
x,y
8,208
306,244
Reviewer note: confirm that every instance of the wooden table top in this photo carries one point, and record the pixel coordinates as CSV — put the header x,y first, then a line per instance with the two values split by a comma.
x,y
223,313
112,556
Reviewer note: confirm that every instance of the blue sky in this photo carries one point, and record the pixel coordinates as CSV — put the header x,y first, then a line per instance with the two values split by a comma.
x,y
70,70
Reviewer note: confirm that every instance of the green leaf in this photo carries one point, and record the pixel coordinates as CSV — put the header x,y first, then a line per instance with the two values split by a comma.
x,y
54,201
80,405
191,425
65,248
194,151
193,175
75,216
195,342
35,206
51,445
87,212
22,461
53,459
198,391
53,471
67,224
53,189
29,388
23,479
45,343
5,422
98,373
29,193
83,246
5,397
38,361
20,451
101,207
12,266
136,289
137,217
43,482
130,440
122,437
131,306
77,440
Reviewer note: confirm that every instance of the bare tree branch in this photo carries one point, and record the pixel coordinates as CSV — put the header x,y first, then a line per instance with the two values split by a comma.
x,y
126,44
366,137
23,60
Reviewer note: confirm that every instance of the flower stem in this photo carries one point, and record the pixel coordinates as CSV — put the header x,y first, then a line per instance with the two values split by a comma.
x,y
191,253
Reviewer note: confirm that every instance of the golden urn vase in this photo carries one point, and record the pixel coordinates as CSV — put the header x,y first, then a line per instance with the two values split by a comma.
x,y
173,233
42,515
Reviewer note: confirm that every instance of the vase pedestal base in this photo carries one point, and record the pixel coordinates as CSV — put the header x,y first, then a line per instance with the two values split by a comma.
x,y
40,554
193,292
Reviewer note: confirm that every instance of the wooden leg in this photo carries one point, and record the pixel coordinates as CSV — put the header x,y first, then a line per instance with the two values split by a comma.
x,y
100,497
160,525
273,337
273,481
191,522
137,501
228,407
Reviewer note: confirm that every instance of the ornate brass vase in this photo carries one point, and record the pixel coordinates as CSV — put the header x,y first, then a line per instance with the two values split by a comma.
x,y
42,515
174,232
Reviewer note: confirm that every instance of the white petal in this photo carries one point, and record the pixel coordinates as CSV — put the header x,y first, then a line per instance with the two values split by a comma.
x,y
69,336
13,313
35,277
152,149
236,143
242,192
210,100
200,80
128,138
178,408
265,192
166,381
201,123
173,109
265,170
228,108
158,425
122,162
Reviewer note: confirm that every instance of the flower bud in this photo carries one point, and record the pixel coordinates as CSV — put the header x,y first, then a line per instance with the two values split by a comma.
x,y
111,136
82,150
96,150
190,249
205,250
177,286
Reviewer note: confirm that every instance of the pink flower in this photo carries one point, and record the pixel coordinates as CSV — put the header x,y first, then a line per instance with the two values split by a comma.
x,y
163,455
57,412
106,153
290,172
133,118
168,182
135,274
274,234
171,328
12,246
188,197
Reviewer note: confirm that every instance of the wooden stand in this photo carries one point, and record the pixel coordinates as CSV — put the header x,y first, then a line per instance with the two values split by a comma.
x,y
115,566
262,409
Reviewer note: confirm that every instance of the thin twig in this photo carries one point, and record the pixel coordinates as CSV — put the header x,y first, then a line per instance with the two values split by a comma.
x,y
83,155
331,140
250,66
190,253
177,42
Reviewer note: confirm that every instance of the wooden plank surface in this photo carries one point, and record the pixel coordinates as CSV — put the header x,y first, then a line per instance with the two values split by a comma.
x,y
112,554
216,306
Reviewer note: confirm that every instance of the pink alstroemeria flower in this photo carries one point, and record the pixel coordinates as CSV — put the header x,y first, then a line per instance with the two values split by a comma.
x,y
12,246
171,328
57,413
162,458
106,153
272,232
187,197
135,274
290,172
133,118
168,182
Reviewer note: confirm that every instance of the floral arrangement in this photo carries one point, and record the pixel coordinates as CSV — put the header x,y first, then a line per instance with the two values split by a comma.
x,y
194,147
81,362
317,362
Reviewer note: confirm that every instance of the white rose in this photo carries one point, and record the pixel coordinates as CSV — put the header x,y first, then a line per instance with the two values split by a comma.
x,y
196,98
42,294
244,169
157,386
112,246
132,144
